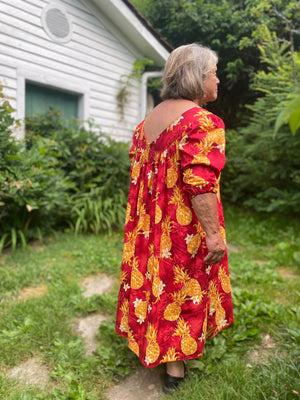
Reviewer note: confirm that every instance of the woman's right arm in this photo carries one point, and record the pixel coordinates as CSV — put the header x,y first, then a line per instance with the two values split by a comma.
x,y
205,207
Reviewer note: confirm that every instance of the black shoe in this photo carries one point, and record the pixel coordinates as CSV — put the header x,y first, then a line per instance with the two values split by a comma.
x,y
171,383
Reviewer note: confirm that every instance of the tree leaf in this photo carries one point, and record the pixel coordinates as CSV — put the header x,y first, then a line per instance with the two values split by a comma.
x,y
295,121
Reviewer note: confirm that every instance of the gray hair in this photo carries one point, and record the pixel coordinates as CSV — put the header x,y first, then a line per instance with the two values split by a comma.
x,y
186,70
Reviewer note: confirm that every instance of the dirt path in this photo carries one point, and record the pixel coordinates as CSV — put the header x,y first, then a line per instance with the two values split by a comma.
x,y
143,384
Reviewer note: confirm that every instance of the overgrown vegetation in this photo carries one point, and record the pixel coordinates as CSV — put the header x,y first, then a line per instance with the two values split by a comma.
x,y
263,166
238,363
232,29
61,176
127,81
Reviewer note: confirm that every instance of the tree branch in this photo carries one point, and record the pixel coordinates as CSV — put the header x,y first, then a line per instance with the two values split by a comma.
x,y
296,31
280,15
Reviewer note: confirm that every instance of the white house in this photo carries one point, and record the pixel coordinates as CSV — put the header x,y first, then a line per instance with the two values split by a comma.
x,y
73,54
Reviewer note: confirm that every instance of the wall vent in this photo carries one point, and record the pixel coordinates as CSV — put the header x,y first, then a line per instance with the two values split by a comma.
x,y
57,23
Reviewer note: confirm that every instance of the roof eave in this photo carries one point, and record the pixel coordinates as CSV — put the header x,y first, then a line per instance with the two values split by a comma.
x,y
136,28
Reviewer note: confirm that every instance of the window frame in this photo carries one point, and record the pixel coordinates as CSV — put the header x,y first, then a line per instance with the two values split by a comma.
x,y
57,82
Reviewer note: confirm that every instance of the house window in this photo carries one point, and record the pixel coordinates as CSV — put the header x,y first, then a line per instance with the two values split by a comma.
x,y
39,99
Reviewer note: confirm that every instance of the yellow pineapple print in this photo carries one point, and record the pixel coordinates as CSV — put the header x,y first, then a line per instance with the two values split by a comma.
x,y
214,296
193,244
181,276
172,174
218,136
171,355
202,113
129,245
205,145
124,327
152,350
144,222
220,315
222,233
193,180
204,328
141,308
137,279
201,159
157,284
188,344
151,261
158,214
183,213
194,241
123,277
206,124
192,289
173,310
140,198
128,212
225,281
132,344
165,240
191,286
135,171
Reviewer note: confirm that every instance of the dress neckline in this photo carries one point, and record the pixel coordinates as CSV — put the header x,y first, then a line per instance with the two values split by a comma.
x,y
153,142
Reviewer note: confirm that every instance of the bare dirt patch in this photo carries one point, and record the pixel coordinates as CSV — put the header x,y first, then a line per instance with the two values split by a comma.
x,y
31,372
96,285
145,383
287,273
87,328
264,351
261,262
233,249
29,292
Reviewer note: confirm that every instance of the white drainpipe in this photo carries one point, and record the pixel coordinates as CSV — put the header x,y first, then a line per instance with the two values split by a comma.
x,y
143,90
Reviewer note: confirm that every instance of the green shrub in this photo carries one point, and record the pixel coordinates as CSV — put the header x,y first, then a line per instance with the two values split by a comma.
x,y
88,157
96,166
263,169
34,189
61,176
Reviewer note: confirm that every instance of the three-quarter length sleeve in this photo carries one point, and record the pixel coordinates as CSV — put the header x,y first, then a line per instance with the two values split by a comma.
x,y
203,155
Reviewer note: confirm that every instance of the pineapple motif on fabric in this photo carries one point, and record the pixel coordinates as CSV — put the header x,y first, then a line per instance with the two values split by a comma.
x,y
170,301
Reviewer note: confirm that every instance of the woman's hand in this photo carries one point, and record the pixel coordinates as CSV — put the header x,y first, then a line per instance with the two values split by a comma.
x,y
216,249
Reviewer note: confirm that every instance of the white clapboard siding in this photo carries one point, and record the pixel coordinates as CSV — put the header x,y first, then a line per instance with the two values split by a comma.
x,y
91,63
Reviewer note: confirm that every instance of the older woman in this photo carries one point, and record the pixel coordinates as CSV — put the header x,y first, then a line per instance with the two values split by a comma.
x,y
174,288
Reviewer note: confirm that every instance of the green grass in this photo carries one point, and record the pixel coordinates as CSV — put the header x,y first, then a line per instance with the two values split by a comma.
x,y
236,364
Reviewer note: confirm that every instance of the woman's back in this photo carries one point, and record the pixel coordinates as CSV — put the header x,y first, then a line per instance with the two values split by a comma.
x,y
163,115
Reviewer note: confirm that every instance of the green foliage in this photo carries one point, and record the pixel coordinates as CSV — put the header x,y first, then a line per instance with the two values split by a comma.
x,y
237,363
220,25
8,147
232,28
62,175
263,170
127,81
290,114
111,344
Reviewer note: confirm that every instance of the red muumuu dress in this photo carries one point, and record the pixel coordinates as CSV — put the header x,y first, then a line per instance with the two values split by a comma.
x,y
170,301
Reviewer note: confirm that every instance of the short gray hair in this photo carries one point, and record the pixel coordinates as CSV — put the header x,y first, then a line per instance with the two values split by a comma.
x,y
186,70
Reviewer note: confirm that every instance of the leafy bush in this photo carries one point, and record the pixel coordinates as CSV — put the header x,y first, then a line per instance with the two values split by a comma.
x,y
263,169
33,190
61,175
96,166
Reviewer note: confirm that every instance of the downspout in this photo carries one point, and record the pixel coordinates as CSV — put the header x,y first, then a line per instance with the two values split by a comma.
x,y
143,90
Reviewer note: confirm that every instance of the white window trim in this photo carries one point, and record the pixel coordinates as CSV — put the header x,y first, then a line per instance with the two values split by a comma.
x,y
57,82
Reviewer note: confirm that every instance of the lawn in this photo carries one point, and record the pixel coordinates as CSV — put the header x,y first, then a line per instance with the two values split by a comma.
x,y
257,358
